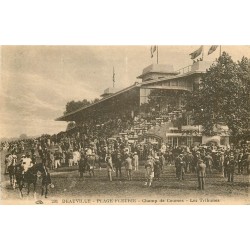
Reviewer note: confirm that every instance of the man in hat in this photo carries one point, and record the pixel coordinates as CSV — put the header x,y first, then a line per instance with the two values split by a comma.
x,y
91,164
180,164
201,174
128,166
118,165
209,162
82,164
162,161
240,162
149,171
222,163
230,168
109,167
136,161
57,157
70,158
189,159
157,167
26,163
248,161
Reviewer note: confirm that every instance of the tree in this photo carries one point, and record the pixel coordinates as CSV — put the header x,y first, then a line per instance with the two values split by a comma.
x,y
95,100
23,137
223,97
244,75
74,105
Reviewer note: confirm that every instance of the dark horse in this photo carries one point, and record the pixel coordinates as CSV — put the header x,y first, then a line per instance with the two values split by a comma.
x,y
30,177
12,175
12,172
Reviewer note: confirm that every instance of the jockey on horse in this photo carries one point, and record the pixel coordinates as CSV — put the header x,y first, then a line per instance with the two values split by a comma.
x,y
8,162
26,164
12,161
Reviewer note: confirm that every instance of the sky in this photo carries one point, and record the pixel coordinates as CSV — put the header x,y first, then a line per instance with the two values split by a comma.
x,y
38,81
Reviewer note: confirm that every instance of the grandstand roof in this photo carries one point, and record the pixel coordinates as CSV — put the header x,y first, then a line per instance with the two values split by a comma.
x,y
70,116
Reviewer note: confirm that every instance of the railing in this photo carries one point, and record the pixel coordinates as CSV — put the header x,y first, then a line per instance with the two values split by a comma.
x,y
185,69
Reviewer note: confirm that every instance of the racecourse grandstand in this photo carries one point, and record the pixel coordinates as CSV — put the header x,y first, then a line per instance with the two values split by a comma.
x,y
150,110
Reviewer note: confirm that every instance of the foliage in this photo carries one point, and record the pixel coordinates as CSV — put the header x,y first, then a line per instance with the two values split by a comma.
x,y
223,97
23,137
74,105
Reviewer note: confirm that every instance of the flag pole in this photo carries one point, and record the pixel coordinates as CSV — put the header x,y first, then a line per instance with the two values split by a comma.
x,y
113,77
220,50
157,53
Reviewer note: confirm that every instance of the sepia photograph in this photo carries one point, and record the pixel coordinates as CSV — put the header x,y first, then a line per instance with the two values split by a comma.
x,y
125,125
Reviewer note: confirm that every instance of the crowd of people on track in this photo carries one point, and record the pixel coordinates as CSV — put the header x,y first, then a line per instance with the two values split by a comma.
x,y
116,154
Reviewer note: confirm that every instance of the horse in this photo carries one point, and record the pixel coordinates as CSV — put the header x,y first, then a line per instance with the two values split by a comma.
x,y
30,177
12,171
12,175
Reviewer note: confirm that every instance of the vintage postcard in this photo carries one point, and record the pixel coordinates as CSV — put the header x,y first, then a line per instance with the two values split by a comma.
x,y
148,125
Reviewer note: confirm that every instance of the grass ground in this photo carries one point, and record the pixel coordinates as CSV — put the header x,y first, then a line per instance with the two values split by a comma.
x,y
70,189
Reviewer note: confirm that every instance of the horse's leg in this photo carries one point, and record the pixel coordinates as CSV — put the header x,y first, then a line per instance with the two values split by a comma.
x,y
20,190
46,190
14,181
42,190
34,189
11,183
28,188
